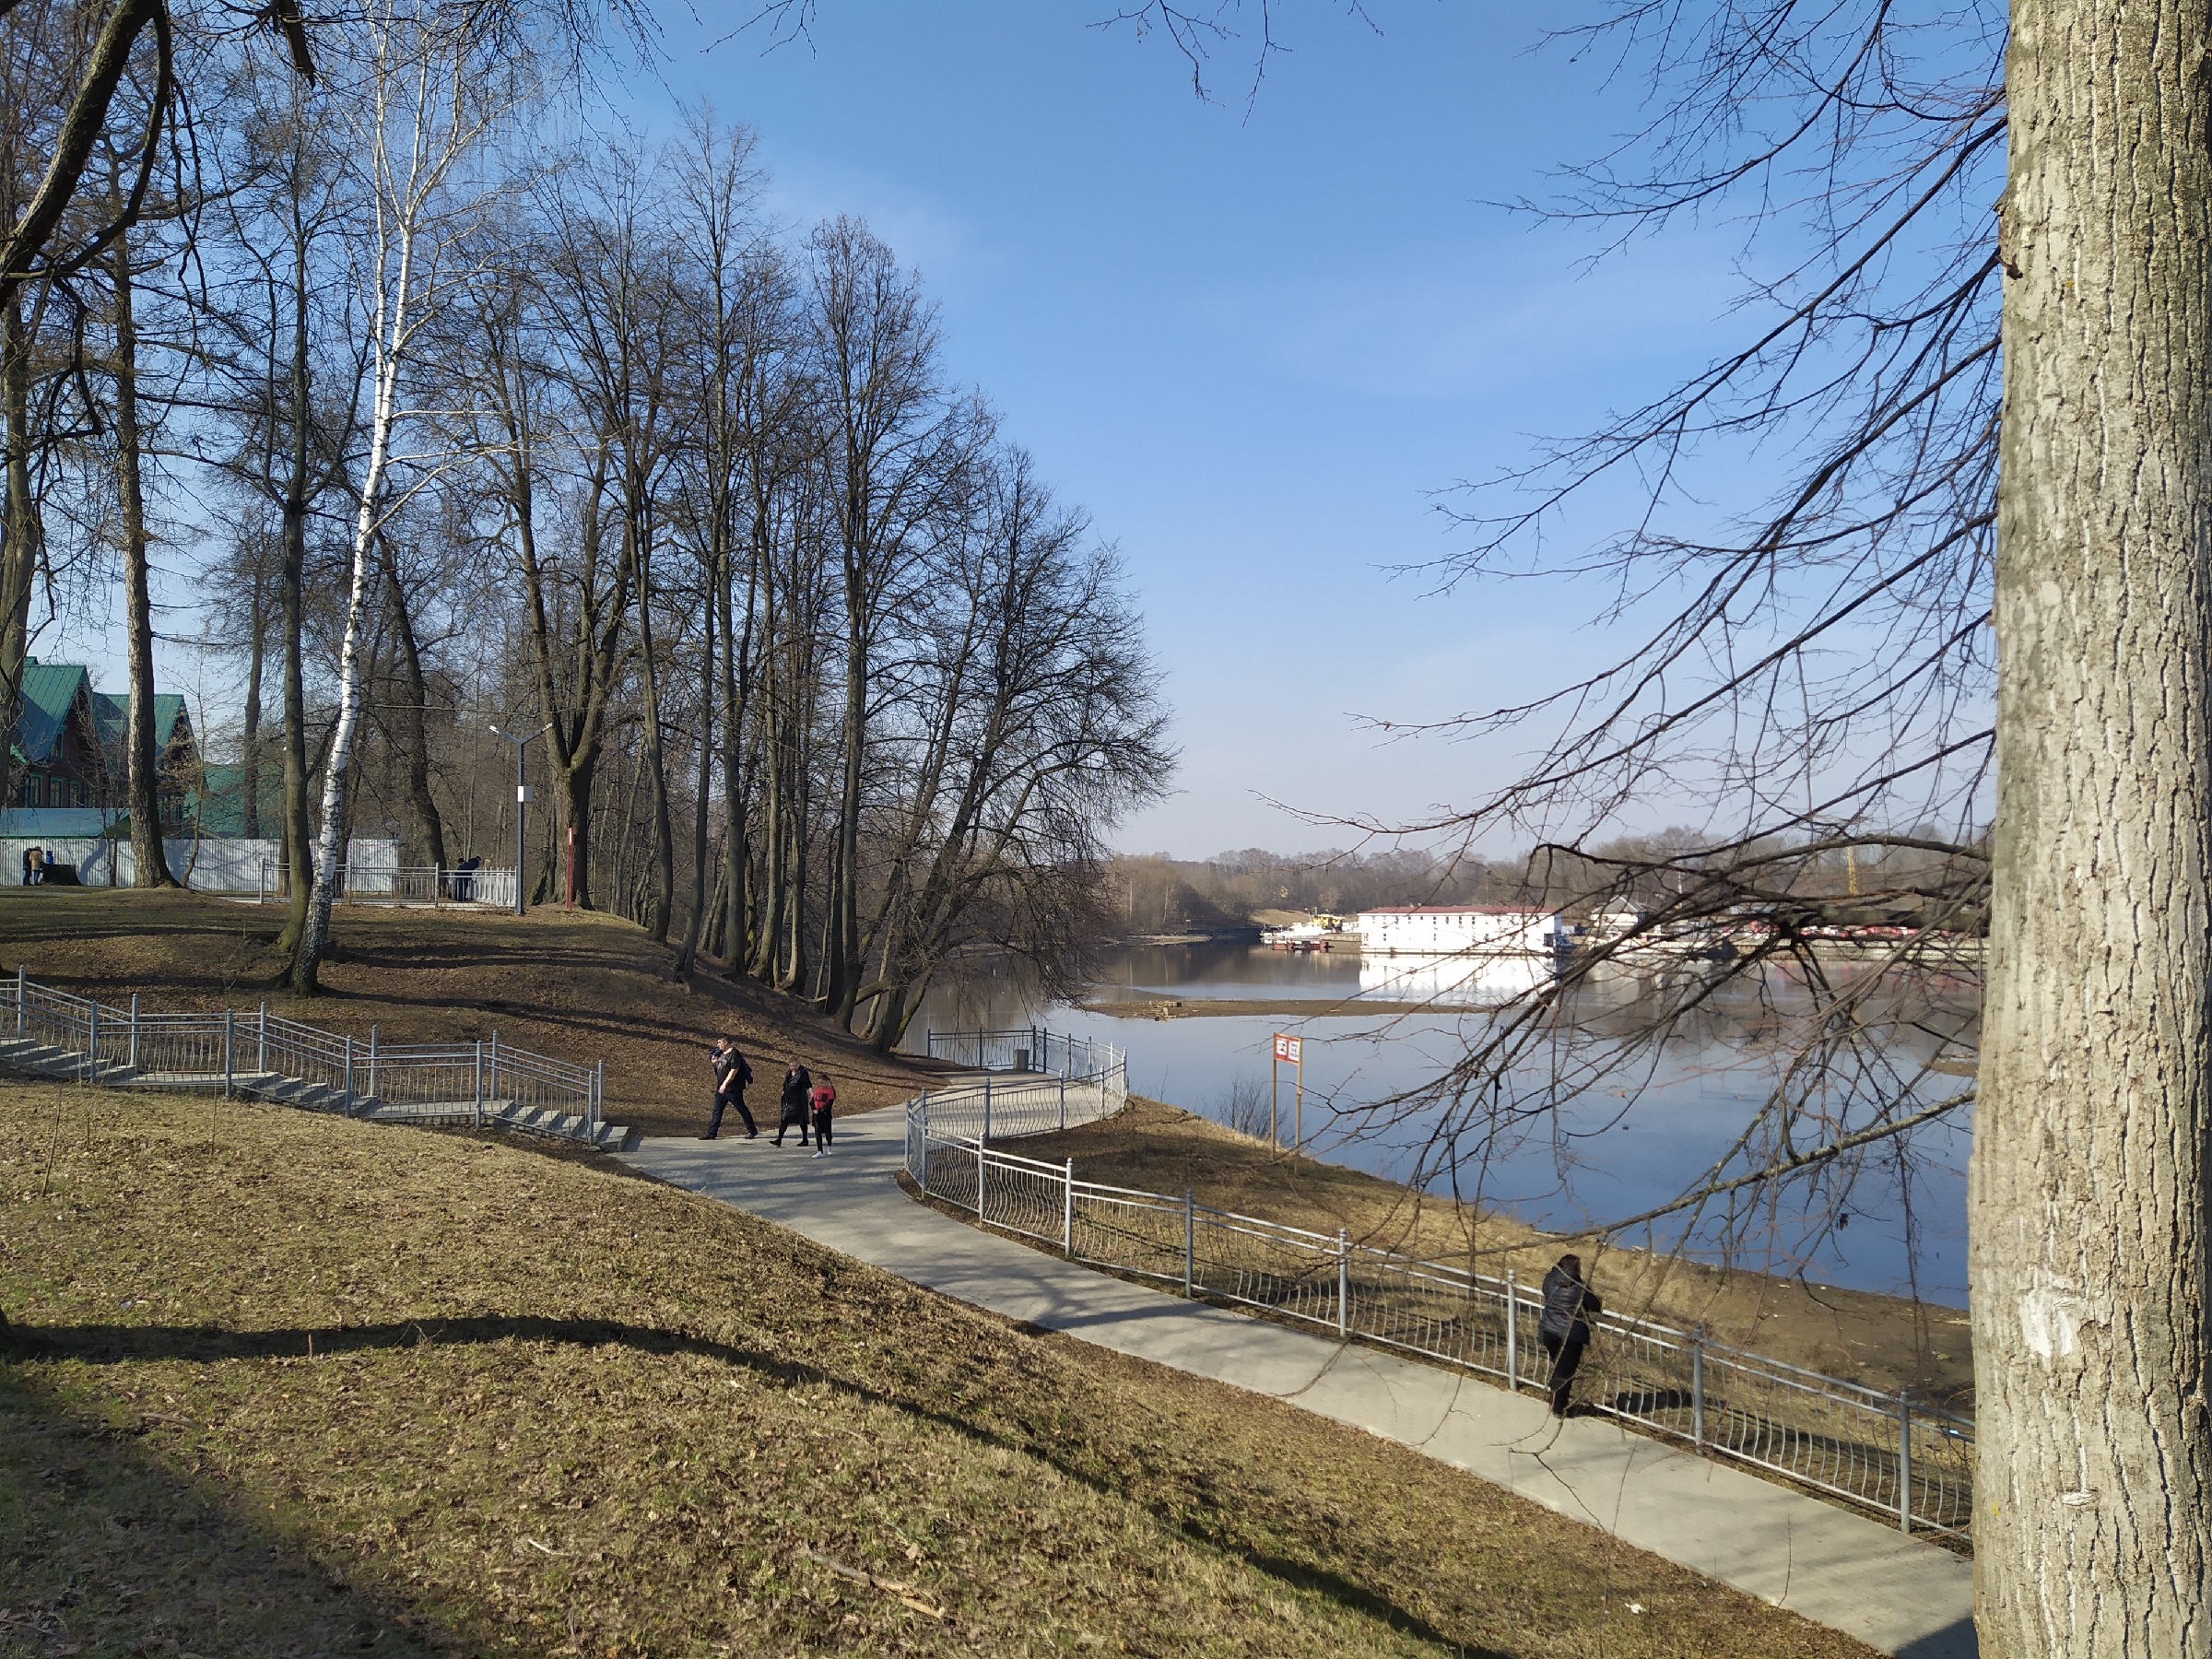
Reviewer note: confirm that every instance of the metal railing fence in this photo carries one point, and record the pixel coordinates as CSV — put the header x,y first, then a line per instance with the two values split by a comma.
x,y
1888,1452
383,884
1028,1049
247,1050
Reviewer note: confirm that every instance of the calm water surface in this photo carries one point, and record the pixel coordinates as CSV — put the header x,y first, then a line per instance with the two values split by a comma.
x,y
1611,1150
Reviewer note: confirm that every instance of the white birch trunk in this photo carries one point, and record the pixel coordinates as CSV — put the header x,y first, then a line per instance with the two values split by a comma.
x,y
2087,1193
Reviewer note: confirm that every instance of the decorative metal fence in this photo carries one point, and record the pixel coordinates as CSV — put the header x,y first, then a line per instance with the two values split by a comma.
x,y
1889,1452
382,884
254,1051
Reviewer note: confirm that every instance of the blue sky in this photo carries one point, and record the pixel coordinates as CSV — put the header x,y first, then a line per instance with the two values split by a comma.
x,y
1253,340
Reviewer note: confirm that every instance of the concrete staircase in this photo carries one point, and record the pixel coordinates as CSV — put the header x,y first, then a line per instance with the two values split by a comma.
x,y
41,1060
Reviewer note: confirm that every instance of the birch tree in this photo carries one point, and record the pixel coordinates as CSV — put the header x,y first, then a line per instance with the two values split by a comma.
x,y
420,101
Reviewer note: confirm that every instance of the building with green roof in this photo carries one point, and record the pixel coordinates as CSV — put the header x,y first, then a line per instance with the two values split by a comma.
x,y
69,746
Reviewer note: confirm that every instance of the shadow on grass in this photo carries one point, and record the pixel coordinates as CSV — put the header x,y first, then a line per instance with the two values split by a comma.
x,y
121,1345
107,1550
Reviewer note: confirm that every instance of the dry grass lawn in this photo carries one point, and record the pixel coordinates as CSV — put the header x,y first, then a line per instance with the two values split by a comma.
x,y
577,986
288,1384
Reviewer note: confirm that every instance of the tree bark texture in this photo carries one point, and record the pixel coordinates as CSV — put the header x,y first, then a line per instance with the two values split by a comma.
x,y
142,744
2088,1192
25,541
426,827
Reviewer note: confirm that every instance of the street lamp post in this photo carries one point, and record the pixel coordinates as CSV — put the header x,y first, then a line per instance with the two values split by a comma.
x,y
522,799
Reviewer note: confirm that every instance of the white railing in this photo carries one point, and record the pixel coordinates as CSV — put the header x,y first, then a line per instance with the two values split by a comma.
x,y
382,884
1058,1082
1888,1451
1028,1049
249,1051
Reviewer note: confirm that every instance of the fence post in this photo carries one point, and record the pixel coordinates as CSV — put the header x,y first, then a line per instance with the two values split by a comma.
x,y
1190,1240
598,1093
979,1172
21,983
986,1107
370,1091
477,1104
495,1062
261,1041
1063,1104
230,1038
1343,1285
92,1046
1068,1214
133,1051
923,1176
349,1074
1697,1385
1513,1332
1904,1461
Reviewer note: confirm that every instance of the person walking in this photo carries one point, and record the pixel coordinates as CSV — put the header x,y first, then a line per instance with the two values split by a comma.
x,y
731,1077
1565,1326
798,1089
824,1098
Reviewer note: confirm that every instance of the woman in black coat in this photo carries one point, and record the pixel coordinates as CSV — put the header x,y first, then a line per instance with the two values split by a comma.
x,y
797,1086
1564,1326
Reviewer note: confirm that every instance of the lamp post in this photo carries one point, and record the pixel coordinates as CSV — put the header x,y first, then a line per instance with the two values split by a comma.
x,y
522,799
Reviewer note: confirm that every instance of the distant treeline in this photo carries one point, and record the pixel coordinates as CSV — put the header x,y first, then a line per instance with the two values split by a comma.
x,y
1155,894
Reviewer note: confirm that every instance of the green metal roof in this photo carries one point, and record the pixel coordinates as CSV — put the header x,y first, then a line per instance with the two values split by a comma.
x,y
113,715
220,806
48,690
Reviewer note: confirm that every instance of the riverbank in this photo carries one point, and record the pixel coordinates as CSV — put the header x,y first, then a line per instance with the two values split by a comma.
x,y
1883,1342
1281,1008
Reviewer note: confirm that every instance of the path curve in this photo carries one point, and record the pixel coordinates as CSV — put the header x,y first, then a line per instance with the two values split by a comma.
x,y
1897,1595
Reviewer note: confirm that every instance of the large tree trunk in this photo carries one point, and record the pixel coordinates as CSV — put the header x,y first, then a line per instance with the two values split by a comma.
x,y
426,827
299,860
687,953
249,768
142,744
22,550
656,757
2088,1193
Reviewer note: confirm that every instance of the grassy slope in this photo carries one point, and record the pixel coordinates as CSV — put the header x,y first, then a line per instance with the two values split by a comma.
x,y
579,987
295,1384
1882,1341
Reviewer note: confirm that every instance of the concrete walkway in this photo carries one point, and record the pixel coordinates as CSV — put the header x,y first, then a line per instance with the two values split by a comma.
x,y
1895,1593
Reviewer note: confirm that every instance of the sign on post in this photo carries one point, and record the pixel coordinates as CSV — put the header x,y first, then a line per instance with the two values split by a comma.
x,y
1289,1051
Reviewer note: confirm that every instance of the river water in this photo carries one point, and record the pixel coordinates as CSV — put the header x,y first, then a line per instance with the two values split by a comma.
x,y
1625,1132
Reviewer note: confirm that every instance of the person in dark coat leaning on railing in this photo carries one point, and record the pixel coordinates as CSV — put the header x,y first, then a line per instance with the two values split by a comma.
x,y
1564,1328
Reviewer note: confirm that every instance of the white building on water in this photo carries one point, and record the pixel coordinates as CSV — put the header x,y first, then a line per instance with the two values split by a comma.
x,y
1454,929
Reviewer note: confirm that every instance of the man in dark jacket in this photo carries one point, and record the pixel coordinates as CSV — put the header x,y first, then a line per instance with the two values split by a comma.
x,y
1564,1328
798,1089
731,1077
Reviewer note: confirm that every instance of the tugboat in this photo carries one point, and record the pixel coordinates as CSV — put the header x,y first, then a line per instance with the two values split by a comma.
x,y
1322,932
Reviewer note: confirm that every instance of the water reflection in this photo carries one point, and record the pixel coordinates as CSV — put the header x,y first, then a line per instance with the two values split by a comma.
x,y
1587,1124
1453,982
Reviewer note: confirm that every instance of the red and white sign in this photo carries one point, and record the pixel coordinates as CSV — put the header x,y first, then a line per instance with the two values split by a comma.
x,y
1289,1048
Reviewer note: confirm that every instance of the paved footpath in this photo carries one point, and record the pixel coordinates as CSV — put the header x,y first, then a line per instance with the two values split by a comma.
x,y
1897,1595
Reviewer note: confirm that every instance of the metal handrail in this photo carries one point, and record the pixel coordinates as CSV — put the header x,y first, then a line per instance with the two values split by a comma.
x,y
405,884
253,1051
1899,1455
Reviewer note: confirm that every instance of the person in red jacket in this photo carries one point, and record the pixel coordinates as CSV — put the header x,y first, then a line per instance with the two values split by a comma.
x,y
825,1097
